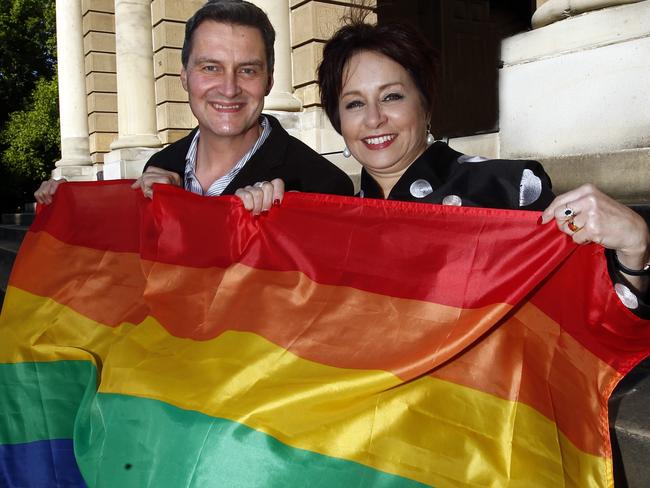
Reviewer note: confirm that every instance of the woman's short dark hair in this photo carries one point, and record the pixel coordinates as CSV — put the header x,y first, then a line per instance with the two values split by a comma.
x,y
400,42
235,12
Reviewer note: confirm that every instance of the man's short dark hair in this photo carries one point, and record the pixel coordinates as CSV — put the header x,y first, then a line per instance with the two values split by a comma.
x,y
234,12
399,42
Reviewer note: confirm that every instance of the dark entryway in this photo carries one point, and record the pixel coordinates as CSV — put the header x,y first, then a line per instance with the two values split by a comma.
x,y
467,35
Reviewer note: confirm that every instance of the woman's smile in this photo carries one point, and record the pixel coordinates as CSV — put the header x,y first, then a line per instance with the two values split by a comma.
x,y
379,142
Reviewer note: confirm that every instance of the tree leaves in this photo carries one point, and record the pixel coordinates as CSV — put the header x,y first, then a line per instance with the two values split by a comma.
x,y
32,134
28,40
29,119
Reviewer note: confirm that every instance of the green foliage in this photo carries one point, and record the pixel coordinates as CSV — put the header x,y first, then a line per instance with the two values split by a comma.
x,y
32,135
29,125
28,40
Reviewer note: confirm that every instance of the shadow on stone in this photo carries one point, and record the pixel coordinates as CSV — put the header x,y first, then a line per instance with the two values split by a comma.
x,y
630,428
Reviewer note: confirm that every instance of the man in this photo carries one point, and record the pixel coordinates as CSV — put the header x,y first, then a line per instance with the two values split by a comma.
x,y
227,71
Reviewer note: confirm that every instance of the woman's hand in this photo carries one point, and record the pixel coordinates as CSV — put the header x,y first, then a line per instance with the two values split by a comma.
x,y
262,195
46,191
588,215
155,175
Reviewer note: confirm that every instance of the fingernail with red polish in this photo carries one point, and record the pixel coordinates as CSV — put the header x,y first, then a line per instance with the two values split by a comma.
x,y
276,202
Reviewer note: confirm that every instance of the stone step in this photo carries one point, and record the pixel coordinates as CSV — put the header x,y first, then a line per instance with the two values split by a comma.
x,y
8,251
11,236
13,232
23,218
630,428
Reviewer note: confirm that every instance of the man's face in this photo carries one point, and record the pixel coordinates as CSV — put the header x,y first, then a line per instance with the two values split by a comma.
x,y
227,79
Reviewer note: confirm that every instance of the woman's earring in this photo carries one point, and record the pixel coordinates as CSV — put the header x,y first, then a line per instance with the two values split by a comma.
x,y
430,138
346,152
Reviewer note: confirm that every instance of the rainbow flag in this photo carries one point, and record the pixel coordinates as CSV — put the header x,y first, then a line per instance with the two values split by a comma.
x,y
181,342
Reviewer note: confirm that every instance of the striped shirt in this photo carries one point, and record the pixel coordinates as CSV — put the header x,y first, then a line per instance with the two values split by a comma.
x,y
219,185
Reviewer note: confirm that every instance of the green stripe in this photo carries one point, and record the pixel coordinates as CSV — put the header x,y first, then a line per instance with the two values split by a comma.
x,y
40,400
133,442
151,443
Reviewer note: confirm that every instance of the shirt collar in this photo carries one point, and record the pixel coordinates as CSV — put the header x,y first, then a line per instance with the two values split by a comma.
x,y
220,184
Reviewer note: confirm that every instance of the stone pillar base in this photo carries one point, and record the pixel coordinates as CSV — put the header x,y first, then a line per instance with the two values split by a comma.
x,y
136,142
75,172
127,163
282,101
290,121
74,152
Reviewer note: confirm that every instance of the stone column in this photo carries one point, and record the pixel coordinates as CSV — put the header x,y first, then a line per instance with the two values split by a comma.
x,y
136,106
572,95
549,11
281,97
75,162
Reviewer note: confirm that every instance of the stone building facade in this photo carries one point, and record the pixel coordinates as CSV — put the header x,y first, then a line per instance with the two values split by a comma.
x,y
572,91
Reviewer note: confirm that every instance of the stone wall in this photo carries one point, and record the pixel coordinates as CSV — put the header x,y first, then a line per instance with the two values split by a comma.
x,y
173,113
574,94
100,70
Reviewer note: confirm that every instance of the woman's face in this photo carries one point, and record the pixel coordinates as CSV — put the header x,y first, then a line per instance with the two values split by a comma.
x,y
383,120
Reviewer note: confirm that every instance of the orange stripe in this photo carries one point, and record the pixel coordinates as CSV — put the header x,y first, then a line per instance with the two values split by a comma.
x,y
356,329
103,285
532,348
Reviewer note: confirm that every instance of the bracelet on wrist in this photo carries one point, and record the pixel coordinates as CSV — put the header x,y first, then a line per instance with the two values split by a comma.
x,y
632,272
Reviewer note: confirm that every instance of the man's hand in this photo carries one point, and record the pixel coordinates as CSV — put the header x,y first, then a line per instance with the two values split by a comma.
x,y
46,191
155,175
262,195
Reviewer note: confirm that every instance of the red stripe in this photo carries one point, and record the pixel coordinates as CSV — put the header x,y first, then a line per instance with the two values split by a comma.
x,y
439,254
580,296
99,214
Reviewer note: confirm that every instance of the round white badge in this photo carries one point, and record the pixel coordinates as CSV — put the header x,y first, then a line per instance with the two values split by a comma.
x,y
453,200
421,188
626,296
468,158
530,188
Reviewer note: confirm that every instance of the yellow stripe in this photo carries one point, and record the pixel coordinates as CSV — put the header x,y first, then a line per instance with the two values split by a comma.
x,y
34,328
417,430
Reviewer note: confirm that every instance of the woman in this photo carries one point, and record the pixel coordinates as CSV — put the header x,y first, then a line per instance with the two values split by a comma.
x,y
377,87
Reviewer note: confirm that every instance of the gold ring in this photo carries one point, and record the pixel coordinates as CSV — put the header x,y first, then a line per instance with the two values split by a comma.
x,y
572,226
